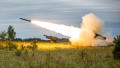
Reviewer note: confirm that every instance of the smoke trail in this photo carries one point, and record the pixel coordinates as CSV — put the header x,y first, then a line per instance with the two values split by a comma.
x,y
58,28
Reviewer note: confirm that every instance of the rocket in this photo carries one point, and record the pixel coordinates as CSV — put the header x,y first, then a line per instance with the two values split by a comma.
x,y
25,19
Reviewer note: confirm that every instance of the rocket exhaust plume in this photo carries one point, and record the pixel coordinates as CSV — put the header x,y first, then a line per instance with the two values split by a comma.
x,y
62,29
83,36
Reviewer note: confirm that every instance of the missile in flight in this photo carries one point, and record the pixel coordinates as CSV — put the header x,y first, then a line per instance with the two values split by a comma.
x,y
25,19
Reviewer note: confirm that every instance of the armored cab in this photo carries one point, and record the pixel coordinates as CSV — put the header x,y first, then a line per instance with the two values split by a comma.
x,y
52,38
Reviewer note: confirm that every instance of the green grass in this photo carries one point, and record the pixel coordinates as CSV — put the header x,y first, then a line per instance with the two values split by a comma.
x,y
59,55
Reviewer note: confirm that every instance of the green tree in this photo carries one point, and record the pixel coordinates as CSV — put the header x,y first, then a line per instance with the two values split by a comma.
x,y
3,35
11,33
116,51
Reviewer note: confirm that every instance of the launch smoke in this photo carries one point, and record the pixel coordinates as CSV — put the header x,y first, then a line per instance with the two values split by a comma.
x,y
83,36
89,27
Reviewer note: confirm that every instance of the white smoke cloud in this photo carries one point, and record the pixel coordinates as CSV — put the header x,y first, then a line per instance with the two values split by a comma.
x,y
99,42
89,27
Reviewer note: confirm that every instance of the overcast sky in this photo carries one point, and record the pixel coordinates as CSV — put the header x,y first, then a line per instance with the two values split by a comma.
x,y
68,12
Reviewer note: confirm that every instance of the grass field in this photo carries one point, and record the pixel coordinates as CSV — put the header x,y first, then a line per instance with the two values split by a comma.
x,y
59,55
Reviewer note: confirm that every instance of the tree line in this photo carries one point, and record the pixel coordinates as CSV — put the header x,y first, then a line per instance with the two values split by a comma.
x,y
11,34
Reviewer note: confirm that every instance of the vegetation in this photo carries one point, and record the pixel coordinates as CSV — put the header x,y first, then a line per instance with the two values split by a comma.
x,y
10,45
11,33
34,45
116,50
3,36
18,52
57,55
